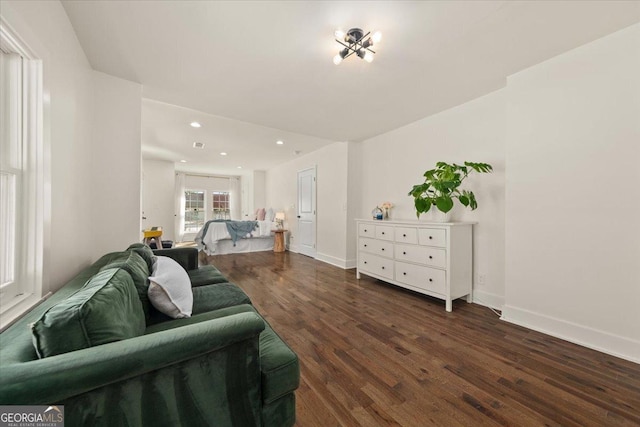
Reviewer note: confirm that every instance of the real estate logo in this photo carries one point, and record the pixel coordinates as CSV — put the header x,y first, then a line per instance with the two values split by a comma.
x,y
31,416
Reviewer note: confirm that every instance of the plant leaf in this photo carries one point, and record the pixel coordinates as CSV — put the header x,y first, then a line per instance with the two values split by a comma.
x,y
422,205
464,200
444,203
472,201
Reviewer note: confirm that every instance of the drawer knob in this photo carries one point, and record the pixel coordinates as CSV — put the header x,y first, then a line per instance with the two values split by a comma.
x,y
365,230
404,235
404,274
383,249
431,280
430,237
365,262
383,232
404,253
383,268
430,257
365,246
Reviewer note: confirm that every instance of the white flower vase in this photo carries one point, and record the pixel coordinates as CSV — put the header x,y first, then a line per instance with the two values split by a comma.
x,y
385,213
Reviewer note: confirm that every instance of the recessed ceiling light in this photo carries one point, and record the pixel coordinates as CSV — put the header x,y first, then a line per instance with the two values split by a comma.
x,y
239,167
223,154
280,142
183,161
195,125
198,145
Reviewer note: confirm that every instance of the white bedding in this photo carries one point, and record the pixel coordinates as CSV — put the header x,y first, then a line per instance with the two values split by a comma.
x,y
218,231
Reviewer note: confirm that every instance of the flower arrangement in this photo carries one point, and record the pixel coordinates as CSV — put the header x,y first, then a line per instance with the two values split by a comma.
x,y
386,207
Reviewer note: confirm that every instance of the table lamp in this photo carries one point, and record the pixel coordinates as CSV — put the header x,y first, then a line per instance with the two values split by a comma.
x,y
280,220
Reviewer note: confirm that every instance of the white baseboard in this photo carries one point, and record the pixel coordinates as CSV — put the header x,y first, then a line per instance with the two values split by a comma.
x,y
338,262
605,342
488,299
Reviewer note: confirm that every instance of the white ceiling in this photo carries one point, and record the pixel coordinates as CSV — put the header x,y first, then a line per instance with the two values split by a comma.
x,y
269,63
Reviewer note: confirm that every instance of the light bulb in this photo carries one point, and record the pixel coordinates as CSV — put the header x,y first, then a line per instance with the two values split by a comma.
x,y
376,37
368,56
339,34
337,59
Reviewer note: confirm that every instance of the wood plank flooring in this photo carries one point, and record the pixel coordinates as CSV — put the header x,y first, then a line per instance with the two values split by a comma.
x,y
375,355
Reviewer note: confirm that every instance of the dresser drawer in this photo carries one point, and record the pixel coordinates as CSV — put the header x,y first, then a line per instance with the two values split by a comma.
x,y
378,247
411,253
436,257
384,232
427,278
376,265
366,230
432,237
406,235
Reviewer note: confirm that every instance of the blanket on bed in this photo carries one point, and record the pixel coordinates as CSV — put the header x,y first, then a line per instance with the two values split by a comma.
x,y
236,229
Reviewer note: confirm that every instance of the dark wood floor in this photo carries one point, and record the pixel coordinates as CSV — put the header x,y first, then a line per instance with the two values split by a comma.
x,y
376,355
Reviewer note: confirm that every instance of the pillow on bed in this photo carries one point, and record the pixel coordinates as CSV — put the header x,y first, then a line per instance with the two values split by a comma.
x,y
170,288
270,215
261,214
255,214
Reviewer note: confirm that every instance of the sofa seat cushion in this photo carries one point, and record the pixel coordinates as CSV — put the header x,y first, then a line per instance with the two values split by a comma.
x,y
214,297
209,298
279,366
104,310
136,266
206,275
197,318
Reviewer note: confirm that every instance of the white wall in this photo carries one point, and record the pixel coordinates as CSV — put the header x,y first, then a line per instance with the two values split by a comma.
x,y
115,165
393,162
158,193
259,189
573,202
331,199
68,86
76,102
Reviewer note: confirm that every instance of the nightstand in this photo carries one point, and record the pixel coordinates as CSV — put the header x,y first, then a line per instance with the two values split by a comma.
x,y
278,242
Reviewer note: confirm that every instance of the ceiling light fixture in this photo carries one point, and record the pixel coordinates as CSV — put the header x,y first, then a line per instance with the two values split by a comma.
x,y
198,145
356,41
223,154
279,142
183,161
195,125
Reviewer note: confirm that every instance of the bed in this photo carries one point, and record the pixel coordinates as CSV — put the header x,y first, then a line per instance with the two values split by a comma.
x,y
221,237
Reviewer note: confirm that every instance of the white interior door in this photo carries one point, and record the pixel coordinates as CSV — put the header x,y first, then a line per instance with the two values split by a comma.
x,y
307,212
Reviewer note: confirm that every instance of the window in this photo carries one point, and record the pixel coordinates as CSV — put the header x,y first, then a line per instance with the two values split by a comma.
x,y
220,205
21,177
193,210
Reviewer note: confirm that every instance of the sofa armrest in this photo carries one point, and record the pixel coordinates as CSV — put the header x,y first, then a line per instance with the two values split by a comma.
x,y
56,378
186,257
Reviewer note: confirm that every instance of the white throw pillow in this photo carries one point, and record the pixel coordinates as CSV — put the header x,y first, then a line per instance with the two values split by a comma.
x,y
270,215
170,288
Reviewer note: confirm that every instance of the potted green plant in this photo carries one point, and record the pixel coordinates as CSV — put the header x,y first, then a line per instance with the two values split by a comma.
x,y
442,185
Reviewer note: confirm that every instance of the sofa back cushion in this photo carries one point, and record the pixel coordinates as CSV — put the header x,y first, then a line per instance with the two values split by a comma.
x,y
145,252
136,266
104,310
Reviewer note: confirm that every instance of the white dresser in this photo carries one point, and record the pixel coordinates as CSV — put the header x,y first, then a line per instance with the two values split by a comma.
x,y
427,257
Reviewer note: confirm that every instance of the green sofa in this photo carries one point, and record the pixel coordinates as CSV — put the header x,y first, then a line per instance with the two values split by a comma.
x,y
223,366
